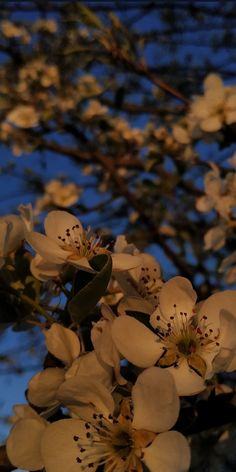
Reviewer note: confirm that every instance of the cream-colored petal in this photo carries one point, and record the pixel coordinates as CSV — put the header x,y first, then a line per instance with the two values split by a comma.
x,y
155,400
62,342
135,342
82,389
44,270
59,446
213,81
212,124
88,364
57,222
131,303
181,134
204,203
43,386
169,452
230,117
23,444
186,380
220,309
215,238
122,262
177,298
47,248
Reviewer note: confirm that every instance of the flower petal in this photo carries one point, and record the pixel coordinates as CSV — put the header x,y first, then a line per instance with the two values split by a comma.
x,y
43,387
186,380
23,444
125,261
220,310
62,342
177,298
44,270
59,446
155,400
169,452
57,222
82,389
135,342
47,248
131,303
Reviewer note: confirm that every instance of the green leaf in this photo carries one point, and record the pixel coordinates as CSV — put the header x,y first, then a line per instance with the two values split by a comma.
x,y
85,300
88,17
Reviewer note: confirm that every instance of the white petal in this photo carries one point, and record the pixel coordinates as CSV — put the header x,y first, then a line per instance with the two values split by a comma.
x,y
15,232
44,270
230,103
220,309
82,389
43,387
125,261
155,400
186,380
57,222
212,124
47,248
88,364
134,304
62,342
169,452
23,444
177,298
200,108
135,342
58,447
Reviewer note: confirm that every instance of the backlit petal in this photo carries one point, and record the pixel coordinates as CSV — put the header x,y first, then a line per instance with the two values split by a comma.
x,y
169,452
155,400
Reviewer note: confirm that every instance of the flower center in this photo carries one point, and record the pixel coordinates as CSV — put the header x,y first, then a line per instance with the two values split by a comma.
x,y
107,442
186,337
149,285
82,243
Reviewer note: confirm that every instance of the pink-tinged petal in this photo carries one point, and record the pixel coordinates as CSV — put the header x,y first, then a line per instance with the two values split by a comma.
x,y
62,342
220,310
177,298
82,389
47,248
23,444
59,446
169,452
125,261
130,303
155,400
44,270
57,222
186,380
43,386
135,342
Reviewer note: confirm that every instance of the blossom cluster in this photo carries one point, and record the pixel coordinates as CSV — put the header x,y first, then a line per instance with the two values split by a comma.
x,y
111,394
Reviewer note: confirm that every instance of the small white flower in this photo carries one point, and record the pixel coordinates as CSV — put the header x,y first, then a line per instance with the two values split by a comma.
x,y
123,443
187,340
67,242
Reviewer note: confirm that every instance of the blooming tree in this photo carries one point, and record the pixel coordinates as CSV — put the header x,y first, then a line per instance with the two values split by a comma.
x,y
119,259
